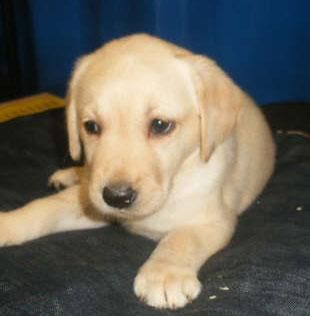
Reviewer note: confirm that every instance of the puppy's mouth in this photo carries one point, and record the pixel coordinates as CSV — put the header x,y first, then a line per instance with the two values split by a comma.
x,y
123,203
120,214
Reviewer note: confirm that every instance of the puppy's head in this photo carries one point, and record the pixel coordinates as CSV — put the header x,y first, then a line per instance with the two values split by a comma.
x,y
142,107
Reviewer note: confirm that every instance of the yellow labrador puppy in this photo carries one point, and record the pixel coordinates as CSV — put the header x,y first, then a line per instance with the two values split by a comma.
x,y
174,150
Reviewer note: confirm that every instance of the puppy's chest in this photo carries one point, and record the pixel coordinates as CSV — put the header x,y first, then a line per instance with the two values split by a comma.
x,y
187,204
166,220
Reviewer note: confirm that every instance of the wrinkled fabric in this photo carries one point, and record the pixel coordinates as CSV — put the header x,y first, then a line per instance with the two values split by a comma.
x,y
264,271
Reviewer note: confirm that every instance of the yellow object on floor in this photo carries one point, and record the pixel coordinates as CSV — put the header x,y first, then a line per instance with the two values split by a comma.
x,y
30,105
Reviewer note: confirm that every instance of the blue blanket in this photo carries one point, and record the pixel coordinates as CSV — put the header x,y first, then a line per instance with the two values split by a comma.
x,y
264,271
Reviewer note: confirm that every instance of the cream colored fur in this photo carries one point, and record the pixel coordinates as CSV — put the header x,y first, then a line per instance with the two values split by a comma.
x,y
192,183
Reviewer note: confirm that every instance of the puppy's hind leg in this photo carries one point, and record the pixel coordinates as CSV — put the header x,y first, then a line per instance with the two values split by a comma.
x,y
64,178
66,210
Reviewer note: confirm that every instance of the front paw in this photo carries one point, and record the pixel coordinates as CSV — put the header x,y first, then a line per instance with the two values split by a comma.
x,y
164,285
62,179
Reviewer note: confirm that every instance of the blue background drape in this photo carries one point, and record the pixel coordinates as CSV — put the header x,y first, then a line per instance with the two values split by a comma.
x,y
263,44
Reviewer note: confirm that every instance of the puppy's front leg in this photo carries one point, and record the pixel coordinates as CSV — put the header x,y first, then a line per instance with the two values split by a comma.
x,y
63,211
169,278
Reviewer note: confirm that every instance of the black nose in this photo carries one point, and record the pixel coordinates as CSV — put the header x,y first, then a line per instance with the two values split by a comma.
x,y
119,195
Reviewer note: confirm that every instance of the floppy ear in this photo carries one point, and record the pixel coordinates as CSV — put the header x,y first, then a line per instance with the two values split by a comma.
x,y
220,100
71,111
73,130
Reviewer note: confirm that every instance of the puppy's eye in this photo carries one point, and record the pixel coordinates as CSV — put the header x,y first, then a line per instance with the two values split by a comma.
x,y
92,127
161,127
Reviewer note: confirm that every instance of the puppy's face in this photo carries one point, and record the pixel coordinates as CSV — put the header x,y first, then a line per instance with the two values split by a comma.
x,y
141,108
138,120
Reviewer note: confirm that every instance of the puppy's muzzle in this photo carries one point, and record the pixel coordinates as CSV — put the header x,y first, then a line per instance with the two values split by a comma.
x,y
119,195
